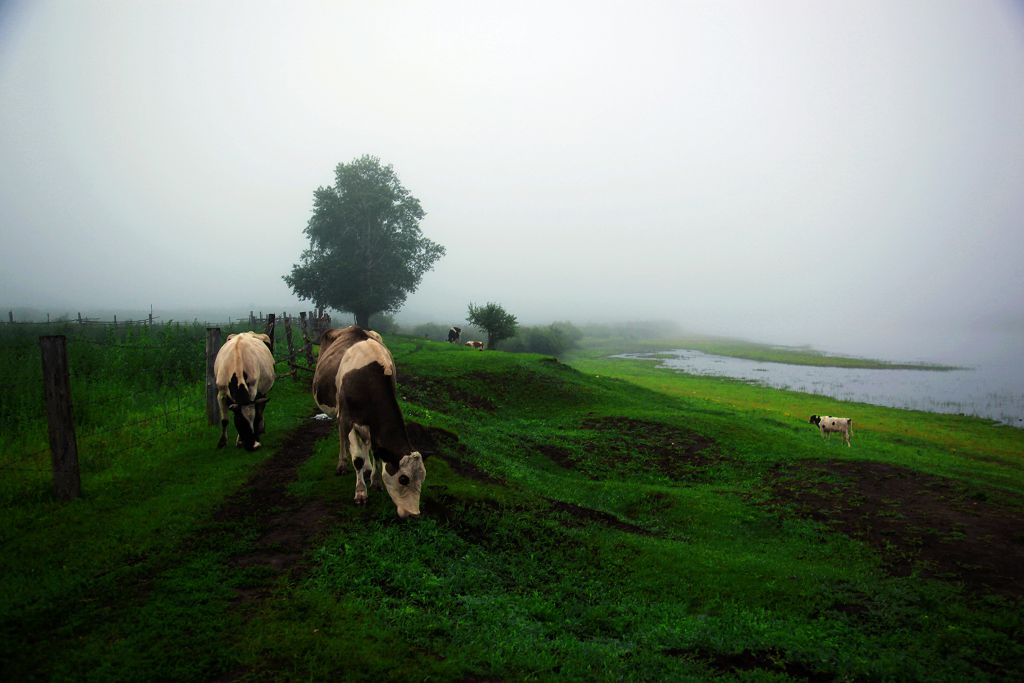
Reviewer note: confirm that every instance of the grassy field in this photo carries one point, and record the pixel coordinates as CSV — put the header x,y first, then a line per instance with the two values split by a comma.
x,y
592,519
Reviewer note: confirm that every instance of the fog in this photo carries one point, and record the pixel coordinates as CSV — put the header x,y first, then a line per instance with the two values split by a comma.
x,y
842,174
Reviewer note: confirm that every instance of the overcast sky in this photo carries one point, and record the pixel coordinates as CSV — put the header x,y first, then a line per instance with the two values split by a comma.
x,y
845,174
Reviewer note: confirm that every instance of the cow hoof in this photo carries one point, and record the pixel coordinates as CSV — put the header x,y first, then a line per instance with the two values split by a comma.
x,y
223,442
340,470
361,498
256,445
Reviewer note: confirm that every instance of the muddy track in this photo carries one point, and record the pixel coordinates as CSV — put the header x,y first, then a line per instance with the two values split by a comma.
x,y
941,527
286,525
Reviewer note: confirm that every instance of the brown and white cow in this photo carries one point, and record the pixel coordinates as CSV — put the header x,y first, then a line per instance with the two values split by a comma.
x,y
244,370
371,430
828,424
476,345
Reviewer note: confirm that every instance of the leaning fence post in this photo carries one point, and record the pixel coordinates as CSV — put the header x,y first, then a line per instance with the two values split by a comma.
x,y
212,347
67,481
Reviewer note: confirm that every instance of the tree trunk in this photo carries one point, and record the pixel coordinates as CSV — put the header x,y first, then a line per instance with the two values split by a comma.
x,y
490,341
363,319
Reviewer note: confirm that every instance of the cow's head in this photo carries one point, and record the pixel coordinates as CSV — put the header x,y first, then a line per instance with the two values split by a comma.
x,y
404,483
247,422
815,420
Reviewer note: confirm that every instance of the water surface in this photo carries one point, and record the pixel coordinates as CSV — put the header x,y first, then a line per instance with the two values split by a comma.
x,y
989,391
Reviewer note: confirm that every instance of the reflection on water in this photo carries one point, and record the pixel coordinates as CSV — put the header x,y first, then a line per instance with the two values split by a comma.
x,y
984,391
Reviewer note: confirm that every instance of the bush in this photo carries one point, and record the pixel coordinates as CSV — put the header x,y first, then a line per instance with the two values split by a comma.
x,y
553,340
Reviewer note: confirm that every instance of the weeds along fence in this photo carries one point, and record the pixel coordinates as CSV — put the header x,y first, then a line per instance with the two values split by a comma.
x,y
80,397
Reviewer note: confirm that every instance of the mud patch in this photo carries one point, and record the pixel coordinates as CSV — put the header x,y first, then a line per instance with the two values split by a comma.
x,y
751,661
941,527
580,515
677,453
430,441
286,527
440,395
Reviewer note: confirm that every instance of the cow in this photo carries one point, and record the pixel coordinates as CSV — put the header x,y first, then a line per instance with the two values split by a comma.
x,y
476,345
454,335
827,425
333,345
371,430
244,371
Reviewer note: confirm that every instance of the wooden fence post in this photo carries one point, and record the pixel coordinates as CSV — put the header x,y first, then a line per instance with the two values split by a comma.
x,y
305,338
271,322
212,347
67,480
291,347
10,316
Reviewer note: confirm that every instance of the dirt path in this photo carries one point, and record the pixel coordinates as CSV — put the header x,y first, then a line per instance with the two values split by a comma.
x,y
287,526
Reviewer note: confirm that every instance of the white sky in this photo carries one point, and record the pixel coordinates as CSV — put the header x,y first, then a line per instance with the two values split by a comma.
x,y
846,174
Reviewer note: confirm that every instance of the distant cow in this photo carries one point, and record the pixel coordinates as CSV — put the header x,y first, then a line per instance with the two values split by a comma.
x,y
454,334
371,430
476,344
244,370
827,425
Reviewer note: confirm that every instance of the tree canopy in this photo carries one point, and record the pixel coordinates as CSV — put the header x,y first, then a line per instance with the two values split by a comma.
x,y
366,251
495,320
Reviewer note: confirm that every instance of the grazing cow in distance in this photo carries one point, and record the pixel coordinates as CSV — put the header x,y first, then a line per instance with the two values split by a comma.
x,y
454,334
827,425
476,345
371,430
244,371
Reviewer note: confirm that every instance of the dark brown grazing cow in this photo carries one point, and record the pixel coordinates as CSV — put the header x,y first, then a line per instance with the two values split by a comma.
x,y
370,423
333,345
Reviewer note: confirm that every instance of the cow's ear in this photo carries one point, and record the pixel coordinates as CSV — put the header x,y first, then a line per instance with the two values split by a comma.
x,y
230,337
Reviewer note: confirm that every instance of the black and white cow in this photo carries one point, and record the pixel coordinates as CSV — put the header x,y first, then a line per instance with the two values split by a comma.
x,y
828,424
244,371
454,335
371,430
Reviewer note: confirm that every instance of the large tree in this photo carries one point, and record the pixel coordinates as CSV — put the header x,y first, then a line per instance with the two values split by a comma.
x,y
493,319
366,252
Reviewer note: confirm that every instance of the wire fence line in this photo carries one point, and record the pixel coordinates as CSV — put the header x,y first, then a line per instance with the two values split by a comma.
x,y
106,423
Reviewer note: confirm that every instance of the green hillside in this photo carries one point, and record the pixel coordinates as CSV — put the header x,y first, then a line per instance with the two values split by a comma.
x,y
588,520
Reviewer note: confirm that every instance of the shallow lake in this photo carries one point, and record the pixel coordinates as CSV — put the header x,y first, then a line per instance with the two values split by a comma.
x,y
990,391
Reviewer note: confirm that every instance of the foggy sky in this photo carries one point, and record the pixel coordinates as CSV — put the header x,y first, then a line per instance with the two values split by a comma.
x,y
845,174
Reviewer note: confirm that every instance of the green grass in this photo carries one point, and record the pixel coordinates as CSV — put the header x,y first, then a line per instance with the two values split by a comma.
x,y
555,545
738,348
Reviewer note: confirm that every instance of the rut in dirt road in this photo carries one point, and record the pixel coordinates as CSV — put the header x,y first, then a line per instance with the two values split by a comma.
x,y
287,526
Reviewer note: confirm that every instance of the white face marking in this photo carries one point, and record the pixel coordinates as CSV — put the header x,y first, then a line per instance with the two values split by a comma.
x,y
406,496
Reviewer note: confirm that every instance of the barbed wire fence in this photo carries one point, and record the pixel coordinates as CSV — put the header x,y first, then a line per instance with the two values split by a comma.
x,y
78,415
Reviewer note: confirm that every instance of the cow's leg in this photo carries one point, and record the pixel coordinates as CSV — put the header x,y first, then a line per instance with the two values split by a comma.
x,y
359,450
846,435
343,427
222,406
258,422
